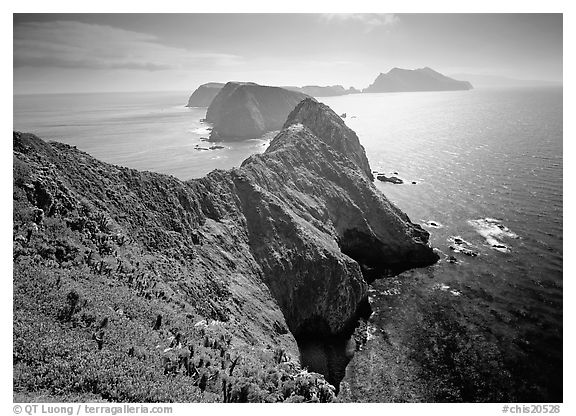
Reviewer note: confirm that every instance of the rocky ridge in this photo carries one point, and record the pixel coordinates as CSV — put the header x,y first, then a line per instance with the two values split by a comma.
x,y
279,250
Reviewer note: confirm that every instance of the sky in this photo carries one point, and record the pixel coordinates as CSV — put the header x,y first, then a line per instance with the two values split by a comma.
x,y
68,53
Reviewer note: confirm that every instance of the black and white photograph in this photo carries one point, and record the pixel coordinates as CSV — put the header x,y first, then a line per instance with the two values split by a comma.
x,y
287,208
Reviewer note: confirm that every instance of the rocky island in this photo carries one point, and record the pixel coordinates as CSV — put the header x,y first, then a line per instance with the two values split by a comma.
x,y
422,79
204,94
138,287
245,110
328,91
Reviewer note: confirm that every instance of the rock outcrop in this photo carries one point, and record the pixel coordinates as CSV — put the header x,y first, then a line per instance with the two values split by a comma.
x,y
422,79
204,94
392,179
288,240
248,110
323,122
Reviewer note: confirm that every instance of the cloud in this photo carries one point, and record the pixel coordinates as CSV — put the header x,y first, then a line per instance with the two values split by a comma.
x,y
70,44
370,21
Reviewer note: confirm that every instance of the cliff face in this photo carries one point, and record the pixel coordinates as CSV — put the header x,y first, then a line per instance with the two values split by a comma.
x,y
422,79
204,94
286,241
248,110
324,123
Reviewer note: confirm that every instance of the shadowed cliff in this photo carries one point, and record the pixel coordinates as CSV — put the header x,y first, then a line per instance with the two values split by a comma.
x,y
204,94
245,110
285,242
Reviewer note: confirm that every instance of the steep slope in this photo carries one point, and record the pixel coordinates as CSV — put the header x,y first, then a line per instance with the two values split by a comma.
x,y
286,242
422,79
96,243
324,123
204,94
247,110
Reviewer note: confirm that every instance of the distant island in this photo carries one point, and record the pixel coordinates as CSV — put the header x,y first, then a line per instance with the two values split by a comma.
x,y
396,80
245,110
422,79
204,94
328,91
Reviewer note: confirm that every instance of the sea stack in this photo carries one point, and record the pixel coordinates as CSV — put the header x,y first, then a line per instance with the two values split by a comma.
x,y
422,79
245,110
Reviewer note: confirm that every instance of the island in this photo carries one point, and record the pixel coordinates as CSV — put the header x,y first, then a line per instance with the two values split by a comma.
x,y
204,94
144,288
245,110
328,91
422,79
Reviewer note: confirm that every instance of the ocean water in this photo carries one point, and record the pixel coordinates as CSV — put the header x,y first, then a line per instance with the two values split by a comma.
x,y
488,171
145,131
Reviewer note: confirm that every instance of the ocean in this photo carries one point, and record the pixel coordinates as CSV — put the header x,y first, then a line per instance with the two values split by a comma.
x,y
145,131
488,171
482,172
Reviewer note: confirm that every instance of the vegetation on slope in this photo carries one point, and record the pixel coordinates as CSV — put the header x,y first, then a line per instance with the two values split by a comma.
x,y
99,309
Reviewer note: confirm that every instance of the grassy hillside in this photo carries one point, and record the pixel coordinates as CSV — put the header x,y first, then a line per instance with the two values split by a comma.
x,y
100,298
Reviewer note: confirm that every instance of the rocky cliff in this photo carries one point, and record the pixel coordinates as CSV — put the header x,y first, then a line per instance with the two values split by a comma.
x,y
323,123
422,79
204,94
247,110
276,251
